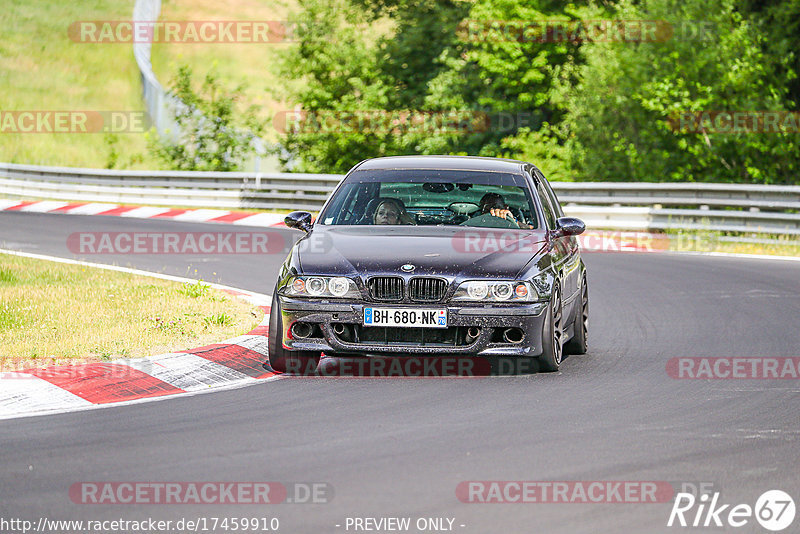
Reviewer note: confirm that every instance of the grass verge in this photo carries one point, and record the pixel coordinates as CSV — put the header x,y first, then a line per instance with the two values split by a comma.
x,y
42,69
54,313
733,243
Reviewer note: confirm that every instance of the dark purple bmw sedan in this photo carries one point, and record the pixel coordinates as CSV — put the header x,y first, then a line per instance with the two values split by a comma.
x,y
435,256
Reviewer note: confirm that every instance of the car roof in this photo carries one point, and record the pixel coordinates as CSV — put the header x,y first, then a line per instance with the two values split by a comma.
x,y
442,163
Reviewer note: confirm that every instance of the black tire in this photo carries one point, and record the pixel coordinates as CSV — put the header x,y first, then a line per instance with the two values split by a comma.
x,y
578,343
552,350
280,359
512,365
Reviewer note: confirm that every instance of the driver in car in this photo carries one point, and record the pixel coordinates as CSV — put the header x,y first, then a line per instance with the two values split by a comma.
x,y
493,207
391,211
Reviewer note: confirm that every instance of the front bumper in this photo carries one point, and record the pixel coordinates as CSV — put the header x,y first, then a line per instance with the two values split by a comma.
x,y
490,320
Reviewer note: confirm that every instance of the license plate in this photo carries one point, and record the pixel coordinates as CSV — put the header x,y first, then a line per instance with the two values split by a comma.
x,y
405,317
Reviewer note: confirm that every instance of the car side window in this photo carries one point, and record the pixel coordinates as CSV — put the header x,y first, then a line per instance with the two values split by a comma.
x,y
346,206
549,214
556,205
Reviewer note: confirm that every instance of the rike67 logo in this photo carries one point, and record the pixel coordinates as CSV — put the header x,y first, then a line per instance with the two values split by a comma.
x,y
774,510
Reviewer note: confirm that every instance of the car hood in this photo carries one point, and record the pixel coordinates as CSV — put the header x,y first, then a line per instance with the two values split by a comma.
x,y
452,252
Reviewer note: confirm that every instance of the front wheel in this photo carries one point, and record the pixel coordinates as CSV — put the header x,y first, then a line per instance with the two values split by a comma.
x,y
578,343
550,359
280,359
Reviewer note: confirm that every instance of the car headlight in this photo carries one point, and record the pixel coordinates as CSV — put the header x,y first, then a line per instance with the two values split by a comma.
x,y
496,291
339,286
477,290
322,287
316,286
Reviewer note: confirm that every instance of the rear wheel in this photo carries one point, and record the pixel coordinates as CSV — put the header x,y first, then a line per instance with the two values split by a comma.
x,y
550,359
578,344
280,359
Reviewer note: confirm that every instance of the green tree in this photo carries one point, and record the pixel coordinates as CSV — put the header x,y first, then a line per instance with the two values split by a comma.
x,y
426,63
506,66
210,136
779,23
357,85
330,71
583,110
621,108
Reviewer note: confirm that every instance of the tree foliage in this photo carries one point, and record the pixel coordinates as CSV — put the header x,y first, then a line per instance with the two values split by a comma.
x,y
213,135
581,109
622,120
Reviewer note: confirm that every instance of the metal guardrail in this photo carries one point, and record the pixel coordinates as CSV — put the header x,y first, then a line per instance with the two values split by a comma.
x,y
649,218
159,104
770,197
622,206
231,190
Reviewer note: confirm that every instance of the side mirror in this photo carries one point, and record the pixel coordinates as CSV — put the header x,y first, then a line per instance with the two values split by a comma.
x,y
568,226
300,220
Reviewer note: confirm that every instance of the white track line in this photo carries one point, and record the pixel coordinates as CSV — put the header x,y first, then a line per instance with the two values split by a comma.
x,y
257,299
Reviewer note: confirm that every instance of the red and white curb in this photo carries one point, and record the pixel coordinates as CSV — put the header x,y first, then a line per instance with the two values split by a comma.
x,y
245,218
232,363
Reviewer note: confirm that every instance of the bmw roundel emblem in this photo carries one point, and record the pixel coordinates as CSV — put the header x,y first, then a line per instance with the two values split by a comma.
x,y
408,267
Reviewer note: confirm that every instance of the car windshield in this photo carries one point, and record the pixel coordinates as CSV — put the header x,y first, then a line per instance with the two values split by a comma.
x,y
427,197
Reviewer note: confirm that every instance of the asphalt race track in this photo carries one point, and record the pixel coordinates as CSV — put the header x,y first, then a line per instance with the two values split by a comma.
x,y
400,447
